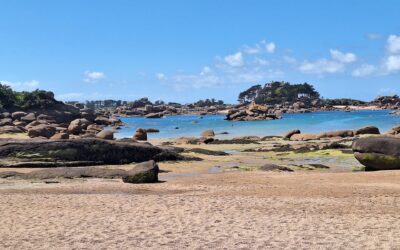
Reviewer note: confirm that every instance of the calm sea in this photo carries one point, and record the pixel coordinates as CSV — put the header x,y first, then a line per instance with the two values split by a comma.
x,y
190,125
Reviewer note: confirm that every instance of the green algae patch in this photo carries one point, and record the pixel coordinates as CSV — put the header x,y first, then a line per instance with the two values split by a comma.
x,y
375,161
324,152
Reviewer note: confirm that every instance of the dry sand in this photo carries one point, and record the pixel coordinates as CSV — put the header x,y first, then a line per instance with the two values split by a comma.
x,y
236,210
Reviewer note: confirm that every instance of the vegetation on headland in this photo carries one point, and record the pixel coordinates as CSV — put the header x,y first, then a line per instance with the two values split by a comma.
x,y
280,92
343,102
277,93
208,103
25,100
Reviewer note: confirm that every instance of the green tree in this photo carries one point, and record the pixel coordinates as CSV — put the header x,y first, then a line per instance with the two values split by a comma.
x,y
7,97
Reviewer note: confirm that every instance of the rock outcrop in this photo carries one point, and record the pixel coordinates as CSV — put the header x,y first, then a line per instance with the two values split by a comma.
x,y
106,135
42,130
77,126
145,172
51,153
11,130
208,133
372,130
324,135
140,135
290,133
253,112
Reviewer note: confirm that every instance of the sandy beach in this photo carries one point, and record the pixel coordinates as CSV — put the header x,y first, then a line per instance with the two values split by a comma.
x,y
237,210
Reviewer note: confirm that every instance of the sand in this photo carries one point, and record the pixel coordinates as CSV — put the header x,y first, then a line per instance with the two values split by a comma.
x,y
235,210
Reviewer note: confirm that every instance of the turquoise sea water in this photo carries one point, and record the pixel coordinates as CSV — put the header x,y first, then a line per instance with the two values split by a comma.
x,y
190,125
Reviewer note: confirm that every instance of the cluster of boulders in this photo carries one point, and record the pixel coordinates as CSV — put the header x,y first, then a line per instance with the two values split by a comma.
x,y
253,112
143,107
62,123
387,102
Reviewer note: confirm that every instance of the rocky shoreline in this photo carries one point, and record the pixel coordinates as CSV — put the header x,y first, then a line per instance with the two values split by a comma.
x,y
58,135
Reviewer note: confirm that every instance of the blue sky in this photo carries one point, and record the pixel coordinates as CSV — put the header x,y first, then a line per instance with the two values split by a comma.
x,y
186,50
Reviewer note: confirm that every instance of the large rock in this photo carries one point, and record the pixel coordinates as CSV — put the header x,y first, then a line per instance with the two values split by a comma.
x,y
11,130
6,122
304,137
42,131
146,172
19,123
95,128
140,135
208,133
34,124
339,133
77,126
378,152
290,133
67,172
155,115
394,131
60,136
29,118
5,115
78,152
106,135
372,130
18,115
152,130
101,120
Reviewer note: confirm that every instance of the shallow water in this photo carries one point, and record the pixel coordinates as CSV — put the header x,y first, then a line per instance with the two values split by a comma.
x,y
191,125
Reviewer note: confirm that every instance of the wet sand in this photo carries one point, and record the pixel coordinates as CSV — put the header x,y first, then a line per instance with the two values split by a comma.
x,y
235,210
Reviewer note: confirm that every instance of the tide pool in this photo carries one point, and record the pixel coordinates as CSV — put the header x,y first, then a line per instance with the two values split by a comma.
x,y
191,125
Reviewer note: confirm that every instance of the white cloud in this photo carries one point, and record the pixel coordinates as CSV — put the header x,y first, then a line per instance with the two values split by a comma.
x,y
374,36
392,63
364,70
235,60
393,44
22,86
206,70
261,62
290,60
93,76
343,57
270,47
262,46
321,66
252,50
182,81
161,76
